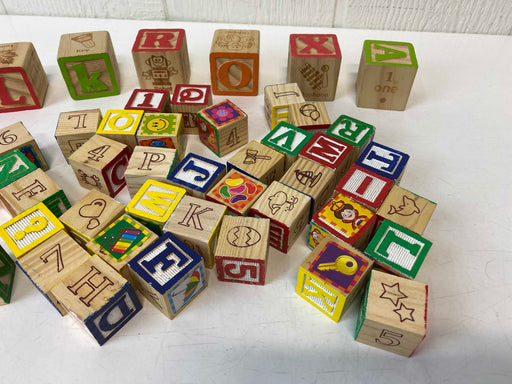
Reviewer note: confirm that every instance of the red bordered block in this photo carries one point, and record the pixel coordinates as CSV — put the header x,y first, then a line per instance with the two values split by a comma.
x,y
149,100
188,99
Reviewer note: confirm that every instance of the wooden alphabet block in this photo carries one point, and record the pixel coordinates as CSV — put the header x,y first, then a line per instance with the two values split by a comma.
x,y
288,212
242,250
149,163
393,314
31,189
196,222
288,140
259,161
223,127
7,272
234,62
90,215
314,62
197,174
188,99
169,274
149,100
332,276
386,74
16,136
23,82
236,191
162,130
121,125
278,98
161,58
309,116
352,131
75,128
99,299
29,229
100,164
384,161
14,165
88,65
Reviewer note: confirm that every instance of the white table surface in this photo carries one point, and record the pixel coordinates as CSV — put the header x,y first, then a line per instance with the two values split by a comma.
x,y
457,129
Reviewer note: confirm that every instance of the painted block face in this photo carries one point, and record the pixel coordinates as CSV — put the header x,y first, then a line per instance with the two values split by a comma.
x,y
384,161
7,272
393,314
397,249
149,100
278,98
355,132
121,125
188,99
309,116
16,136
162,130
13,166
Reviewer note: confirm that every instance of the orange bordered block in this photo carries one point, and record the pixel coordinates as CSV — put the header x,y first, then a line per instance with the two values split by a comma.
x,y
188,99
7,272
332,276
121,125
149,100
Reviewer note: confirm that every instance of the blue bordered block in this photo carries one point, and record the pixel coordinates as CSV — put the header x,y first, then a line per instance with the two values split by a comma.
x,y
169,274
384,161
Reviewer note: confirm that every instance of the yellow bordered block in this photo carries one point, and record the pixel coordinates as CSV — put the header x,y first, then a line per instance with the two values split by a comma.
x,y
29,229
162,130
121,125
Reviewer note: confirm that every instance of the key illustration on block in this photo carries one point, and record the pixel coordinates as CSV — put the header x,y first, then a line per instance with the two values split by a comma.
x,y
345,265
311,111
251,156
92,211
243,236
348,214
304,177
279,200
407,208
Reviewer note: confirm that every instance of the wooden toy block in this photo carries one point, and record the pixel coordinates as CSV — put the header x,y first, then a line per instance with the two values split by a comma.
x,y
242,250
313,179
386,74
278,98
7,272
88,65
398,250
99,299
29,229
153,204
309,116
14,165
288,212
223,127
100,164
75,128
197,174
288,140
236,191
162,130
332,276
314,62
407,209
259,161
149,163
352,131
120,242
121,125
90,215
188,99
31,189
384,161
393,314
16,136
344,218
47,264
196,222
234,62
365,187
161,58
23,82
169,274
149,100
330,152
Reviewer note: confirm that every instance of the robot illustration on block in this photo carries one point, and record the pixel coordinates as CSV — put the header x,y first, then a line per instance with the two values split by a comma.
x,y
160,72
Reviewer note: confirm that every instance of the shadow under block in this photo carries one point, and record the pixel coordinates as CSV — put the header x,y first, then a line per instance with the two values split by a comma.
x,y
47,264
234,62
309,116
223,127
88,65
99,299
352,131
386,74
161,58
332,276
196,222
384,161
288,212
100,164
7,272
14,165
314,62
278,98
162,130
75,128
393,314
149,100
188,99
16,136
23,82
242,250
121,125
169,274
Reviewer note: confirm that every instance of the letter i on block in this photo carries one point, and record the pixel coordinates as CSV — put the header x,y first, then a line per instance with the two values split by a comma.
x,y
352,131
13,166
278,98
384,161
393,314
121,125
23,82
16,136
88,64
169,274
149,100
332,276
188,99
7,271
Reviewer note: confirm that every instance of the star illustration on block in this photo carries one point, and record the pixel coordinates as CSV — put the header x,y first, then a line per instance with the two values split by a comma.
x,y
404,313
393,293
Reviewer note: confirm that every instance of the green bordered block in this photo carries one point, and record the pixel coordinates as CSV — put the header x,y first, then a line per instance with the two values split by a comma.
x,y
57,203
13,166
162,130
352,131
7,270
